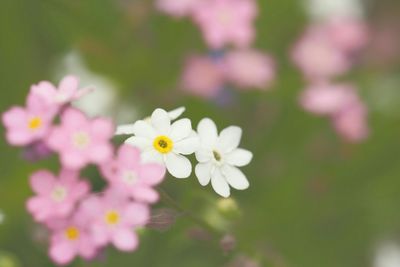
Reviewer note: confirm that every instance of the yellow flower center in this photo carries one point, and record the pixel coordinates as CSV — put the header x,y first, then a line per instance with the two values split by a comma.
x,y
112,217
81,140
72,233
163,144
35,123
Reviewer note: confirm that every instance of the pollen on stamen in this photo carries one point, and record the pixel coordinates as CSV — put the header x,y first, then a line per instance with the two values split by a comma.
x,y
163,144
72,233
112,217
35,123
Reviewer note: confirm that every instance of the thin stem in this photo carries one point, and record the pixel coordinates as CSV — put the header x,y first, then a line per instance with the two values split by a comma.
x,y
170,201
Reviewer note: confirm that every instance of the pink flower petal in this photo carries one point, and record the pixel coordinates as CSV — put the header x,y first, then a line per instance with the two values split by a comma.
x,y
125,239
62,252
136,214
151,173
102,128
68,86
42,182
145,194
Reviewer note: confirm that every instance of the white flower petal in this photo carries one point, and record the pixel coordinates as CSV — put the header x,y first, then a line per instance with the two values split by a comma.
x,y
229,139
239,157
161,121
219,183
203,173
152,155
180,129
144,129
140,142
176,113
187,146
235,177
125,129
177,165
207,131
203,155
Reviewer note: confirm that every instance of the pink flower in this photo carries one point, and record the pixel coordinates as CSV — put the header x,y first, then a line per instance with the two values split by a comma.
x,y
114,218
327,99
351,123
249,68
226,22
348,34
70,238
137,180
202,77
55,196
318,56
177,8
342,105
27,125
67,91
80,141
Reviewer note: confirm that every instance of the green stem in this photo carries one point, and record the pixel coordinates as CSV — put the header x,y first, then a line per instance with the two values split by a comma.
x,y
170,201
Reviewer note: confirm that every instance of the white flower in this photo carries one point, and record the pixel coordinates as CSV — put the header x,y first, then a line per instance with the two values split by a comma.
x,y
219,157
165,143
126,129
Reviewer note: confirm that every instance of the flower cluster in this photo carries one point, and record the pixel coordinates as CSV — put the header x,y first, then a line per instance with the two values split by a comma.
x,y
83,222
223,23
166,140
327,50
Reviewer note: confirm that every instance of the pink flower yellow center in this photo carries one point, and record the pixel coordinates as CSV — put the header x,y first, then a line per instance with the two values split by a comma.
x,y
72,233
163,144
81,140
35,123
112,217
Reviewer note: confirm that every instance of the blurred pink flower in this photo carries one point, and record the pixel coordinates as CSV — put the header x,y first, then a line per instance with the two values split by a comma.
x,y
27,125
66,92
342,105
137,180
348,34
351,123
327,99
226,22
55,196
114,219
177,8
318,56
80,140
249,69
202,77
70,238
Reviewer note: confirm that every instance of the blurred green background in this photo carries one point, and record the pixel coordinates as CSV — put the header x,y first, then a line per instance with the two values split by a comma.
x,y
314,201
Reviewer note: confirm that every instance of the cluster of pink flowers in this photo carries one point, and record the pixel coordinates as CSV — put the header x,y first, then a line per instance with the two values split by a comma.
x,y
325,51
81,222
223,23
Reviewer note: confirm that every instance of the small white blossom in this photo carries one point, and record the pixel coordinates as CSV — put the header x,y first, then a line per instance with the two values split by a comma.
x,y
219,157
128,129
166,143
